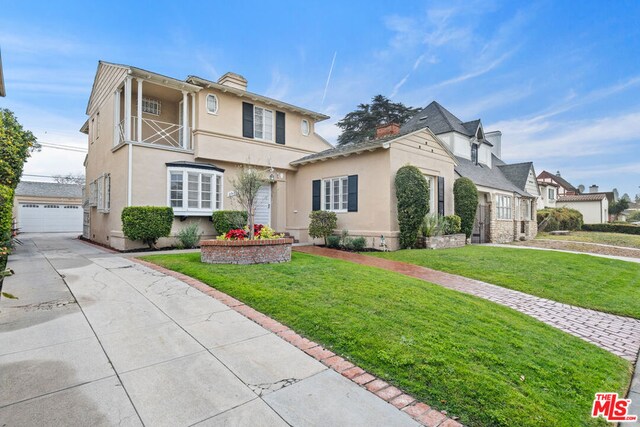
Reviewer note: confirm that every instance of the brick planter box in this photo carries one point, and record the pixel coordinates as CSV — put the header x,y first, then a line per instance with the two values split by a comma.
x,y
442,242
246,251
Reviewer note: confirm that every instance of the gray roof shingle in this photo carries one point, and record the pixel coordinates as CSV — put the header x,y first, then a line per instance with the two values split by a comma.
x,y
48,189
485,176
518,173
438,119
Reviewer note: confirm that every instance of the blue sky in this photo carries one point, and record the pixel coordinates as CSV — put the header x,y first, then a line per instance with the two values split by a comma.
x,y
560,79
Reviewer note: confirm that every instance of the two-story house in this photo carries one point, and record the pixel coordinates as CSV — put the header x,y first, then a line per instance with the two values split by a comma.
x,y
507,192
160,141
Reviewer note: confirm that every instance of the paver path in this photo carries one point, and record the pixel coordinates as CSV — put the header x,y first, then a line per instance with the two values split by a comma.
x,y
617,334
96,339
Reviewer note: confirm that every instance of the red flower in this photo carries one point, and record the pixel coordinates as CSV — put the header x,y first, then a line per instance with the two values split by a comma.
x,y
238,234
256,229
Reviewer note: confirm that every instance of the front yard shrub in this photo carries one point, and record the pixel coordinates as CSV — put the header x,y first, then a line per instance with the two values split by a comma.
x,y
223,221
412,192
6,218
358,243
431,226
147,223
452,224
333,242
613,228
465,195
16,145
634,216
322,224
552,219
189,236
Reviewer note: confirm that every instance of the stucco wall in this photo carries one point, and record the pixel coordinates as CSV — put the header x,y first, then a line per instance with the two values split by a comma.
x,y
593,212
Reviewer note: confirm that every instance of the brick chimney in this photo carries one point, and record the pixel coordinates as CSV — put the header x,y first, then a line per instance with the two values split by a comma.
x,y
387,130
593,188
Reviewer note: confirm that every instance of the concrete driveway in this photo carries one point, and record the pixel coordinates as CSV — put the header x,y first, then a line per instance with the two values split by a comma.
x,y
95,339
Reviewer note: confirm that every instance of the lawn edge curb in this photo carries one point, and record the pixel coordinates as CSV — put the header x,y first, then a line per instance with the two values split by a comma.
x,y
419,411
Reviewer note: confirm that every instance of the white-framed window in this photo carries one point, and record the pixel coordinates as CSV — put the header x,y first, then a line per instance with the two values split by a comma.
x,y
212,104
305,127
93,194
151,106
102,186
335,194
432,193
552,193
194,191
503,207
262,123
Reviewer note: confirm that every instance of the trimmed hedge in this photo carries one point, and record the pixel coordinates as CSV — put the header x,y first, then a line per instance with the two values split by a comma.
x,y
465,195
223,221
147,223
559,219
412,192
6,216
613,228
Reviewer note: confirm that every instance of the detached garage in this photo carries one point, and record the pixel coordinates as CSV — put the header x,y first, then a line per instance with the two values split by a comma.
x,y
47,207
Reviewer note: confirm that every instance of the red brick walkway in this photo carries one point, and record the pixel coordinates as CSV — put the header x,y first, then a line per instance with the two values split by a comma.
x,y
617,334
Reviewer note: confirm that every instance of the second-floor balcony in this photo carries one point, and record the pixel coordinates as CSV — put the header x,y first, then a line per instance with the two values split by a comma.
x,y
152,113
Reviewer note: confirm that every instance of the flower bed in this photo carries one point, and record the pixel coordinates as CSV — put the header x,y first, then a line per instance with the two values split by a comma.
x,y
243,251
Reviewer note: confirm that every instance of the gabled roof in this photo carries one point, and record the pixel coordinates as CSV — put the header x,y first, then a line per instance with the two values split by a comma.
x,y
560,180
589,197
359,147
438,119
472,126
518,173
48,189
485,176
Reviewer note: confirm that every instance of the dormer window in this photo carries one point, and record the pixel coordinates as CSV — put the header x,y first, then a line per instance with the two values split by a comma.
x,y
474,153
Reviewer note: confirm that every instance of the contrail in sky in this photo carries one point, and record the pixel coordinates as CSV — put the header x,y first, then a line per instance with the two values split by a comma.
x,y
326,86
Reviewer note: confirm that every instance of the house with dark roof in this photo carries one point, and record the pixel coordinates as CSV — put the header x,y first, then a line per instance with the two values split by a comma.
x,y
564,187
46,207
507,192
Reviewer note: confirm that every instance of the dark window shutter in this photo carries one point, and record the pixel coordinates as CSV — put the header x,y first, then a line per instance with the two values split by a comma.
x,y
352,203
315,202
247,120
441,195
279,127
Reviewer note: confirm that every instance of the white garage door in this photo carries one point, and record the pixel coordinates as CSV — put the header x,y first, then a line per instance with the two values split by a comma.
x,y
49,218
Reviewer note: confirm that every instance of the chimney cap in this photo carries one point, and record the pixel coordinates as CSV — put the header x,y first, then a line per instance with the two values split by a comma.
x,y
558,173
233,80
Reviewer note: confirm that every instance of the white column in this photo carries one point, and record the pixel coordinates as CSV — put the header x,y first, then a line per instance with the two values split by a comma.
x,y
185,120
193,111
116,117
139,124
127,108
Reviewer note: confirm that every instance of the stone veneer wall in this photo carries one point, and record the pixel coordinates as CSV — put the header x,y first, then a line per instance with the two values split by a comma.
x,y
246,251
442,242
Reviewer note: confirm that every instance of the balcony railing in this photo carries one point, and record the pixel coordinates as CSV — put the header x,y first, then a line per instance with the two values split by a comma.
x,y
156,132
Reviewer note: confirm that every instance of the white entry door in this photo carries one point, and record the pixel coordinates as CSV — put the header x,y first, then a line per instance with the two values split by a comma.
x,y
263,206
49,218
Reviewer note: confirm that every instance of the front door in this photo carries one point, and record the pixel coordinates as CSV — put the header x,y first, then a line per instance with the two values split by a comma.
x,y
481,231
263,206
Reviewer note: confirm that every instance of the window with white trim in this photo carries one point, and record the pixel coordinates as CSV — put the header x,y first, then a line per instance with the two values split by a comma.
x,y
101,187
335,194
552,193
262,123
305,127
503,207
212,104
93,194
194,191
151,106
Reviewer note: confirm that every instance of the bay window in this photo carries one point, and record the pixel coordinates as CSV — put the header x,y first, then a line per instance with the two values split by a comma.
x,y
194,192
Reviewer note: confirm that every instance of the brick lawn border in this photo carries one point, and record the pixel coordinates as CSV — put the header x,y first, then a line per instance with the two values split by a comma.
x,y
419,411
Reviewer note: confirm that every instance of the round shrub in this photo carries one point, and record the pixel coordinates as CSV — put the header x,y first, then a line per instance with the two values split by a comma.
x,y
147,223
412,192
553,219
333,242
224,221
322,224
465,196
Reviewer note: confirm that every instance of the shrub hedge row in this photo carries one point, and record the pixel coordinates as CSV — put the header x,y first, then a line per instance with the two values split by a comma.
x,y
147,223
553,219
6,218
223,221
412,192
613,228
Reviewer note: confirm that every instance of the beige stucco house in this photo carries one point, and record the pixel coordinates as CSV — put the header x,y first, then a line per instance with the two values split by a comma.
x,y
160,141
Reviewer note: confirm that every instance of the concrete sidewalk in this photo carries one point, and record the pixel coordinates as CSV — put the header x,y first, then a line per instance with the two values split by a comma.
x,y
95,339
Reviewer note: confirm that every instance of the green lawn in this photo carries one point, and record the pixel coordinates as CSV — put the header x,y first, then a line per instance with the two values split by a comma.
x,y
615,239
599,283
488,364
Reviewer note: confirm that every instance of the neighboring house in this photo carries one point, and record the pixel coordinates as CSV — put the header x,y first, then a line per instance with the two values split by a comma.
x,y
3,92
594,207
44,207
159,141
548,194
564,187
507,193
